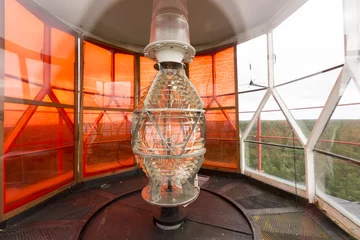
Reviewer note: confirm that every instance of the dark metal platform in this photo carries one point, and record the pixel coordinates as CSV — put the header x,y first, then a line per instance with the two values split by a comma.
x,y
228,208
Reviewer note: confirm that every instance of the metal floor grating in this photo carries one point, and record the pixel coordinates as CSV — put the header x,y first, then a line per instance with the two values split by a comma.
x,y
297,225
56,233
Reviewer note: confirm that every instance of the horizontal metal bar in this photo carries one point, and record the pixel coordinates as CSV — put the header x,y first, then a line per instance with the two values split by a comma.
x,y
26,80
253,90
311,75
274,145
220,108
330,154
221,139
36,103
16,154
305,108
107,95
170,110
109,141
108,109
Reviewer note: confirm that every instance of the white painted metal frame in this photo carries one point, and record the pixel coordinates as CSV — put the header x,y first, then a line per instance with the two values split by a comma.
x,y
351,70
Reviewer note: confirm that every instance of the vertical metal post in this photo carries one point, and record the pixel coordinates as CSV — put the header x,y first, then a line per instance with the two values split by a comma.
x,y
136,79
78,116
2,69
46,57
331,103
238,147
213,77
271,59
112,73
259,147
60,145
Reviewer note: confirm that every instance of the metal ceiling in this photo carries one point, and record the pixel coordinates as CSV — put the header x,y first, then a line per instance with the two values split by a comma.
x,y
126,23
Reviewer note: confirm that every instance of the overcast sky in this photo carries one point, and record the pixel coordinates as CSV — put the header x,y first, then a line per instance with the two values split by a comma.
x,y
309,41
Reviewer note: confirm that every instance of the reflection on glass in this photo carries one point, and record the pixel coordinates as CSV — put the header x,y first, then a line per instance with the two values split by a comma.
x,y
306,98
309,41
107,141
101,87
338,182
341,135
38,141
252,64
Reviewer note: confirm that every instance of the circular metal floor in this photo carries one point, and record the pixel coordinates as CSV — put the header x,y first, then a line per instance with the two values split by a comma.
x,y
211,216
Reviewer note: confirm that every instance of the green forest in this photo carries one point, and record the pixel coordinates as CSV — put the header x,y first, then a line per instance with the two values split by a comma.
x,y
334,176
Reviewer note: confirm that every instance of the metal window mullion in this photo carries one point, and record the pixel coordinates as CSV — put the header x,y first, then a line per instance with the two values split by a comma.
x,y
248,129
256,114
289,117
137,80
330,105
2,112
237,120
354,68
80,109
270,59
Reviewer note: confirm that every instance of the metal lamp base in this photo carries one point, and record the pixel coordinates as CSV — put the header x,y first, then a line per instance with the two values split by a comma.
x,y
170,218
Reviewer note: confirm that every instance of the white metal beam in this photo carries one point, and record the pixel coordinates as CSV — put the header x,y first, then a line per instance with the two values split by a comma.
x,y
256,115
270,59
289,117
330,105
354,69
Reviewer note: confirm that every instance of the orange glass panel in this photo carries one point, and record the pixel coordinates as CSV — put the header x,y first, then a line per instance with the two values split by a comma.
x,y
225,77
24,37
107,142
201,76
62,65
220,139
97,72
42,157
218,69
124,81
147,74
39,141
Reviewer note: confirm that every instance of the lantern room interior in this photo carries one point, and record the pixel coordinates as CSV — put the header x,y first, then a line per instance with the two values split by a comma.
x,y
93,105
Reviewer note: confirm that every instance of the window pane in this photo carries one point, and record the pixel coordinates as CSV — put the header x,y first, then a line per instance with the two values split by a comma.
x,y
97,72
224,78
147,74
306,98
309,41
24,39
62,65
338,182
252,64
269,147
341,133
40,159
201,76
107,142
124,81
221,139
248,103
38,140
280,162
